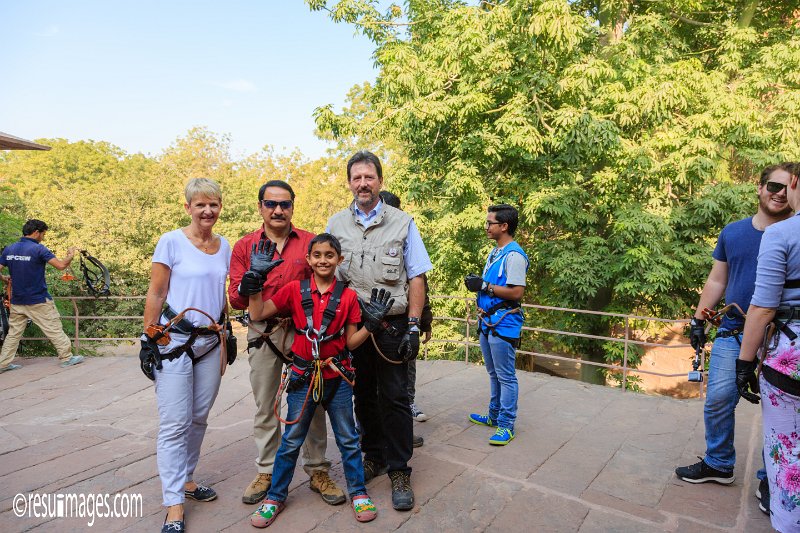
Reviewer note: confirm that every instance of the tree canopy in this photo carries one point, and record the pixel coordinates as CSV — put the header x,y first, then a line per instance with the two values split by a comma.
x,y
627,133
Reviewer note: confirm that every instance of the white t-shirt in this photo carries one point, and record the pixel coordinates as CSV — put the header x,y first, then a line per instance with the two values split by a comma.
x,y
197,279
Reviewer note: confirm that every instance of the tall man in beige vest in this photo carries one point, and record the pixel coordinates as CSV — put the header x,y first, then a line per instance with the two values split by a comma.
x,y
382,248
276,205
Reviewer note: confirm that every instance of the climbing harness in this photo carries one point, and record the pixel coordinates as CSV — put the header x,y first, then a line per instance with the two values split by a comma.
x,y
160,335
95,275
272,326
510,307
312,370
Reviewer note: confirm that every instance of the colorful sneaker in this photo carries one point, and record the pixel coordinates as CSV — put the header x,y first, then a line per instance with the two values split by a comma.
x,y
73,360
702,473
322,483
363,508
201,494
417,414
482,420
501,437
11,366
266,513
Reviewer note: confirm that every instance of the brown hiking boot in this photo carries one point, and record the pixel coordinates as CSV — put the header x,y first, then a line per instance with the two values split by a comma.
x,y
373,470
257,490
331,494
402,494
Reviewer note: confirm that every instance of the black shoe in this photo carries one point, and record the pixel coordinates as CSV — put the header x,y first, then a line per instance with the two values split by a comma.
x,y
201,494
702,473
402,495
373,470
176,526
417,441
762,493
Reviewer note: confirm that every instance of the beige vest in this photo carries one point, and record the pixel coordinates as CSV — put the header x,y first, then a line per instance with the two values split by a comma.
x,y
373,256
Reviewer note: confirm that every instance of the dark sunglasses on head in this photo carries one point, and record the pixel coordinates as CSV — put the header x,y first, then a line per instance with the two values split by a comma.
x,y
272,204
775,187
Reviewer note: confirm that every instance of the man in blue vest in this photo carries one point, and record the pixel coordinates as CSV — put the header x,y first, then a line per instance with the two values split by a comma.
x,y
500,289
30,300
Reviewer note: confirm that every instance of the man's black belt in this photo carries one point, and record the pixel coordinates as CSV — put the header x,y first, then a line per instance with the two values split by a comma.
x,y
728,333
781,381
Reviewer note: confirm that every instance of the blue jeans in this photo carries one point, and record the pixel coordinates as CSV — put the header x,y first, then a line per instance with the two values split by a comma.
x,y
499,357
340,413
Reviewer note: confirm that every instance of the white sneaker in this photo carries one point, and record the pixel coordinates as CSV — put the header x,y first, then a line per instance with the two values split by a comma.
x,y
417,414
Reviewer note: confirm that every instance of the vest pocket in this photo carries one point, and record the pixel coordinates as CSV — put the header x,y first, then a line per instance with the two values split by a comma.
x,y
390,269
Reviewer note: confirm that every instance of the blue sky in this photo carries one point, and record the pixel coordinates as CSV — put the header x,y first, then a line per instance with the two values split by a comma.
x,y
140,73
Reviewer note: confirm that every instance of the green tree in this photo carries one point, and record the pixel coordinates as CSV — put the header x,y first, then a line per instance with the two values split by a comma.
x,y
626,133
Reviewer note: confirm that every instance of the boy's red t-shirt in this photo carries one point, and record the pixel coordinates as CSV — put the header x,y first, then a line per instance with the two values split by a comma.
x,y
289,300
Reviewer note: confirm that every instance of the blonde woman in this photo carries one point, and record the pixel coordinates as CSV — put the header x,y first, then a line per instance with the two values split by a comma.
x,y
189,269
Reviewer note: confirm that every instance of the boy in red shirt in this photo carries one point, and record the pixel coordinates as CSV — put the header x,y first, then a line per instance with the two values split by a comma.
x,y
322,371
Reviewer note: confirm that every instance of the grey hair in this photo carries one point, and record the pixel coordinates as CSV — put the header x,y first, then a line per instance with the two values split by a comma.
x,y
202,187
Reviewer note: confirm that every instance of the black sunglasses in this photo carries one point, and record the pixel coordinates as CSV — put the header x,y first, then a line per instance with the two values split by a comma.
x,y
775,187
272,204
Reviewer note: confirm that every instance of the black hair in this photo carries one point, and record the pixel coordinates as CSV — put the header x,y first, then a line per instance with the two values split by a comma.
x,y
506,214
390,198
364,156
326,237
275,183
32,226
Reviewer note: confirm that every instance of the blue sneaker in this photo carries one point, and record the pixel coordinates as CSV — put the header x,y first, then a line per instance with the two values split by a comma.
x,y
11,366
73,360
482,420
501,437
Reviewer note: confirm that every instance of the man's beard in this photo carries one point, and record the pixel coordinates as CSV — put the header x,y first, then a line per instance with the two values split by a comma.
x,y
765,207
365,203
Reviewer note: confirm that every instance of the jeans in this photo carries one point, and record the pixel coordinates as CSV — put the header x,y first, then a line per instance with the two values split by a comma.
x,y
340,413
499,357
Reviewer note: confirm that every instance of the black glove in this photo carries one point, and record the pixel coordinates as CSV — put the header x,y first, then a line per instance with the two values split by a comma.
x,y
149,358
697,333
473,282
746,380
261,257
409,344
373,312
251,284
426,319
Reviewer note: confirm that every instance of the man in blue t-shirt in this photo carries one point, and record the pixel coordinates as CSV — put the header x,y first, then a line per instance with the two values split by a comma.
x,y
499,290
26,260
733,275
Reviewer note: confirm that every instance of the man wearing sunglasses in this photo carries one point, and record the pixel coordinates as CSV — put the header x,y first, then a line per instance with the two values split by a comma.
x,y
733,276
276,205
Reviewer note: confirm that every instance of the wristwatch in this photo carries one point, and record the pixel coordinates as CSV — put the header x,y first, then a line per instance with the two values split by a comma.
x,y
489,289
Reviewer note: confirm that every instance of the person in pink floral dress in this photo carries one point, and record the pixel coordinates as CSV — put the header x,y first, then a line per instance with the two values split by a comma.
x,y
776,302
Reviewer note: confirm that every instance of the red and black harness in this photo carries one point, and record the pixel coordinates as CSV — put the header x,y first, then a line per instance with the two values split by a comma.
x,y
311,371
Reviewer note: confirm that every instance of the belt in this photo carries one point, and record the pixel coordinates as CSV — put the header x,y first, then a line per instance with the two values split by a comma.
x,y
787,313
728,333
781,381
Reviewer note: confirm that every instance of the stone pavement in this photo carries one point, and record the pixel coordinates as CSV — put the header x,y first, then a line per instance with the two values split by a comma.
x,y
586,458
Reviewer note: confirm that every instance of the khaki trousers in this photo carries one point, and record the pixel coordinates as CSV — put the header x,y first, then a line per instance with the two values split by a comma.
x,y
265,377
45,315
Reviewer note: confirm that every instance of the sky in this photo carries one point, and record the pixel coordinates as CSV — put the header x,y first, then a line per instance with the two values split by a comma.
x,y
141,73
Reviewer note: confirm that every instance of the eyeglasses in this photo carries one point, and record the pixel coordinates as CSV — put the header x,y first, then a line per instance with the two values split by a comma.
x,y
487,224
272,204
775,187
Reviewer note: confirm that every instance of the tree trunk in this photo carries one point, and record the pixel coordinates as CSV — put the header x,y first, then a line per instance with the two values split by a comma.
x,y
612,20
746,18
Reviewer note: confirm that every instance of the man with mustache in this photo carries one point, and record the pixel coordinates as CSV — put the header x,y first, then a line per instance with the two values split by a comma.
x,y
733,276
382,248
269,341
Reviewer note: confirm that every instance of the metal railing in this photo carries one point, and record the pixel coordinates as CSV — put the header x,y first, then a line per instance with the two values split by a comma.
x,y
470,320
